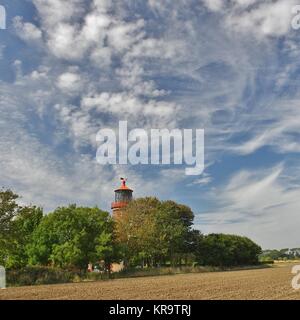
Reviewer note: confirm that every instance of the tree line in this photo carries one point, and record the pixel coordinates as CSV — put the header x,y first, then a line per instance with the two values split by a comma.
x,y
282,254
149,233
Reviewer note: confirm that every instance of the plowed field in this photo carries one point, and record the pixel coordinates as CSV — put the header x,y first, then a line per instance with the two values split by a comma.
x,y
269,283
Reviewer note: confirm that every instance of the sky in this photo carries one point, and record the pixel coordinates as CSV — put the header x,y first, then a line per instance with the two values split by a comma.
x,y
230,67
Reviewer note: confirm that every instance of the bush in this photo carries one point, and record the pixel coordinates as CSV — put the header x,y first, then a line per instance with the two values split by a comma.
x,y
162,271
38,275
267,261
227,250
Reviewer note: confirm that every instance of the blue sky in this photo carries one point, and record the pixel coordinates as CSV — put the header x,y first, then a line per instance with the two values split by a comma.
x,y
70,68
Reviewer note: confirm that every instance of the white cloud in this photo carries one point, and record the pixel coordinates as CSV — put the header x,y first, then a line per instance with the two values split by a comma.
x,y
203,181
256,17
26,30
244,3
266,19
123,35
128,105
55,11
69,82
101,57
259,204
214,5
281,133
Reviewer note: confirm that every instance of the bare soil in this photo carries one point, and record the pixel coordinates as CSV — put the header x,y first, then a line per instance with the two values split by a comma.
x,y
268,284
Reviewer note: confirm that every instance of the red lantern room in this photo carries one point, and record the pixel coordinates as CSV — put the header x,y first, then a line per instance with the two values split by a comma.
x,y
123,195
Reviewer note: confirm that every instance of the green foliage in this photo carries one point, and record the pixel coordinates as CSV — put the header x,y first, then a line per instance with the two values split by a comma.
x,y
150,233
283,254
17,224
153,231
266,261
8,210
72,237
67,254
227,250
108,249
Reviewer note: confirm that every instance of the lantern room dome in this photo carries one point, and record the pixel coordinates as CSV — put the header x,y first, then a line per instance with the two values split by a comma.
x,y
123,186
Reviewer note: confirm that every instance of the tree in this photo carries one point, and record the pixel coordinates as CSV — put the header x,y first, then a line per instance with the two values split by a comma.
x,y
17,224
8,210
180,212
154,232
283,254
70,237
23,226
135,230
108,249
227,250
193,246
179,219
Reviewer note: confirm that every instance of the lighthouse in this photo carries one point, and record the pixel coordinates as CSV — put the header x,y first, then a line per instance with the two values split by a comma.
x,y
123,195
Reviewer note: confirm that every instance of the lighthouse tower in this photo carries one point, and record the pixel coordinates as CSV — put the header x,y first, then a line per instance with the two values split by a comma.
x,y
123,195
